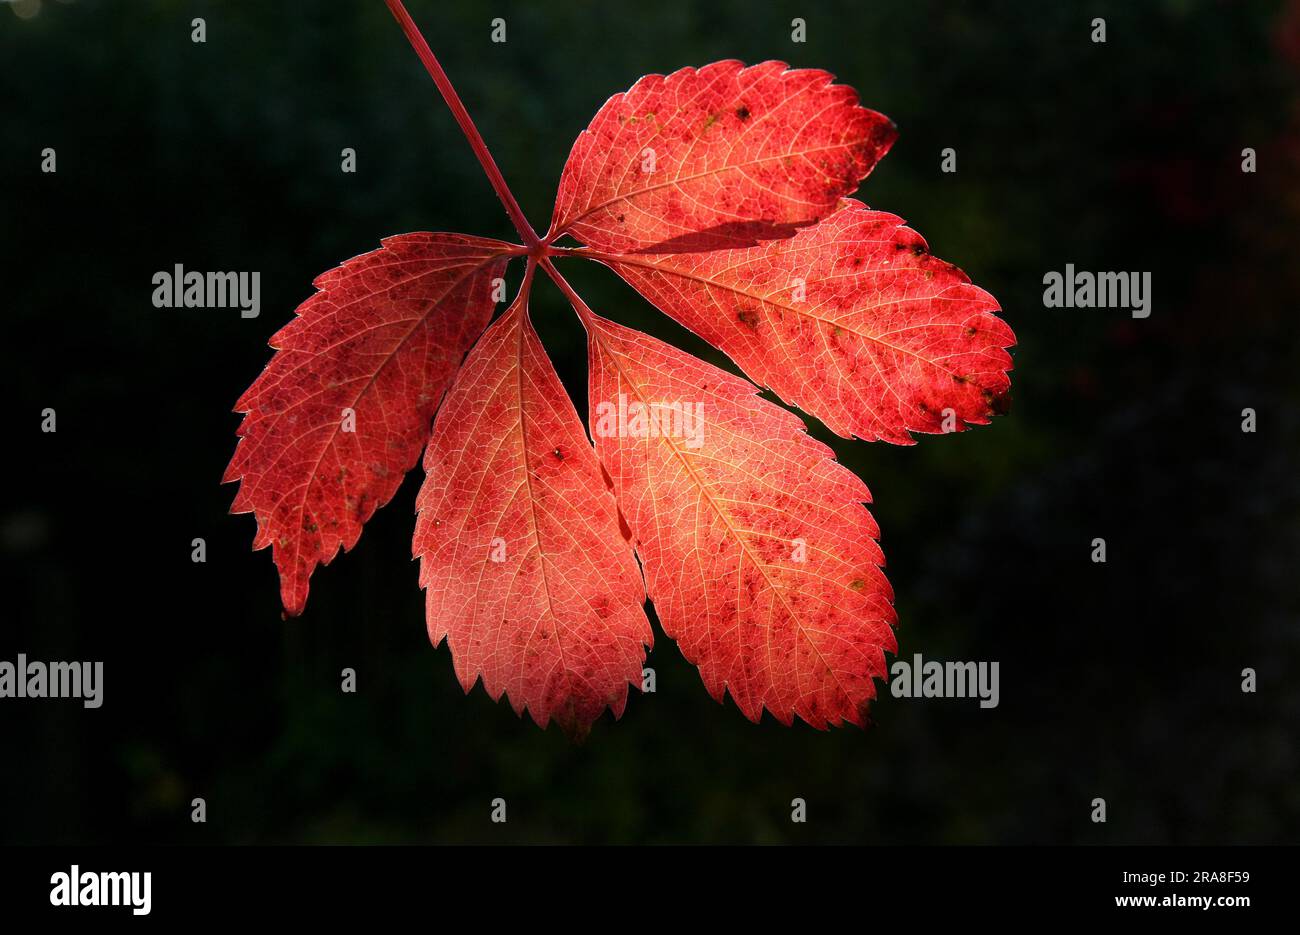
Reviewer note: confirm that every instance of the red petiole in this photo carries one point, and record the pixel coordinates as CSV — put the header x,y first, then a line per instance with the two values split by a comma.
x,y
533,242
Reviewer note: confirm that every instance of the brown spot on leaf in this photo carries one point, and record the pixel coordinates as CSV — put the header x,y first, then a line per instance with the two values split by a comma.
x,y
998,405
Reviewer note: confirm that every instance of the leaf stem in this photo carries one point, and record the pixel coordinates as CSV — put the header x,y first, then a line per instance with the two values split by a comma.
x,y
466,123
579,306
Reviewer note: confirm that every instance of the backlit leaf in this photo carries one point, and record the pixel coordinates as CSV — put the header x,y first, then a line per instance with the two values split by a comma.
x,y
341,412
852,320
719,194
525,570
760,557
716,156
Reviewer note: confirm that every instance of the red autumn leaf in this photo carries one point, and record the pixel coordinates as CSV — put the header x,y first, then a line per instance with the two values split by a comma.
x,y
525,571
341,412
852,320
760,557
717,192
710,157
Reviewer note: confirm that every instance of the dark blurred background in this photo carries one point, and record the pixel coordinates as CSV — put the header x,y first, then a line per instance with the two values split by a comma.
x,y
1120,680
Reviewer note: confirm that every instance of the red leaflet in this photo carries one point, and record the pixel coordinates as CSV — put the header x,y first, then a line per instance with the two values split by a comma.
x,y
341,412
851,320
520,553
718,194
716,156
761,559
